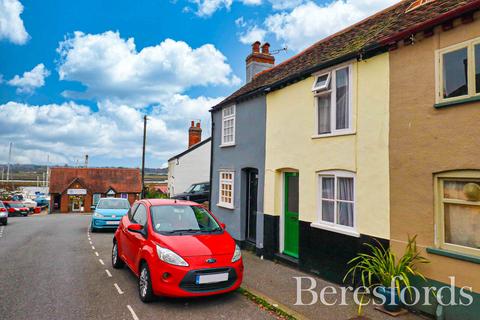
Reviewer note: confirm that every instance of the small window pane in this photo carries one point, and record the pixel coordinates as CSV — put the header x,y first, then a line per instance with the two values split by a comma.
x,y
328,211
292,194
462,190
462,223
342,112
345,189
324,109
322,82
477,67
455,75
328,188
345,213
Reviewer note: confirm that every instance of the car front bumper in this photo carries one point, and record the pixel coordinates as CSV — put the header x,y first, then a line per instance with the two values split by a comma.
x,y
182,281
105,223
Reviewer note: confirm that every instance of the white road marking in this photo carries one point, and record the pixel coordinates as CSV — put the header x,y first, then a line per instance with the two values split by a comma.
x,y
93,248
134,316
108,273
118,288
101,262
96,253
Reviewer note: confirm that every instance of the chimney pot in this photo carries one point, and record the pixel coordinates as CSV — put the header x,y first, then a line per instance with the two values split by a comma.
x,y
194,134
266,48
256,46
259,61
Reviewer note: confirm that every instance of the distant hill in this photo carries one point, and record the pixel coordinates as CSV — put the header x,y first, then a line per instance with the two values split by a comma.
x,y
32,171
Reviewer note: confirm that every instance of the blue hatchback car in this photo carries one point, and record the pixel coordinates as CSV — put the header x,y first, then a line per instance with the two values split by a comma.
x,y
108,213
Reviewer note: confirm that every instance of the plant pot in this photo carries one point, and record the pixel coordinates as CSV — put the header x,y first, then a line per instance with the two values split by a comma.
x,y
392,300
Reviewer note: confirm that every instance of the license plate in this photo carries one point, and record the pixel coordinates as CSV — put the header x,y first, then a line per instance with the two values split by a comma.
x,y
113,222
212,278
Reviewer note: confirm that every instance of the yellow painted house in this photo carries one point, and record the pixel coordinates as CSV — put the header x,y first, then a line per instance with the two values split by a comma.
x,y
326,166
354,128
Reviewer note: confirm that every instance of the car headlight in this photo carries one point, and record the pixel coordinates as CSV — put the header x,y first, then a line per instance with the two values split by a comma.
x,y
97,215
170,257
237,254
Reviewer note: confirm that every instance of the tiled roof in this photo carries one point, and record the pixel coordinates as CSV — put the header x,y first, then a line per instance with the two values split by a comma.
x,y
367,34
96,180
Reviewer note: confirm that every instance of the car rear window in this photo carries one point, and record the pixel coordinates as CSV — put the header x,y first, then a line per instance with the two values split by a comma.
x,y
177,219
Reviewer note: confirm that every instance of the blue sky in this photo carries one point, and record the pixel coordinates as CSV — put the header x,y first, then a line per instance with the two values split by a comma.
x,y
77,76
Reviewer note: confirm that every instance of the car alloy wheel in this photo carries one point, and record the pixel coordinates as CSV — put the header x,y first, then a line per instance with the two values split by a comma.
x,y
145,284
117,263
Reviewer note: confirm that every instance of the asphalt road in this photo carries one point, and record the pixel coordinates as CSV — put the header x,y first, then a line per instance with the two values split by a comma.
x,y
52,268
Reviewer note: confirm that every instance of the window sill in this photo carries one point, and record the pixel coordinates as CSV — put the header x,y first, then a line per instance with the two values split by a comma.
x,y
454,255
457,102
227,145
225,206
347,232
329,135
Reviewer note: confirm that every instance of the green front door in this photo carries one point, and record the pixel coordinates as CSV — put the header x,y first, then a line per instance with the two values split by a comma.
x,y
291,214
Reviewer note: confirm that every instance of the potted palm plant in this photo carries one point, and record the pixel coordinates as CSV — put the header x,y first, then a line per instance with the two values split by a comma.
x,y
381,268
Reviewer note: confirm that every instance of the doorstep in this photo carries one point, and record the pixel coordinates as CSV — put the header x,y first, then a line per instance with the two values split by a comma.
x,y
276,282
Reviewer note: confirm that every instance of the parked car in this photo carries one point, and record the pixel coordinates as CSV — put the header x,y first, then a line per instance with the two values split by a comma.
x,y
108,212
177,248
30,204
42,201
3,214
197,192
16,208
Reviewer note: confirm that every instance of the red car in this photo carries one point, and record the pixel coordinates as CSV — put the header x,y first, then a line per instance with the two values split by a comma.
x,y
16,208
177,248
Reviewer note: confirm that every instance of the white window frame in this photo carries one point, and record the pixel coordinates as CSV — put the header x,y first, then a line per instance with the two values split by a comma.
x,y
470,46
222,181
316,87
333,226
333,98
224,120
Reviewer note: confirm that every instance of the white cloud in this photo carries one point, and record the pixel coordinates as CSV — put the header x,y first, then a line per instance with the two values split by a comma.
x,y
285,4
11,25
253,34
206,8
113,134
111,68
309,22
30,80
240,22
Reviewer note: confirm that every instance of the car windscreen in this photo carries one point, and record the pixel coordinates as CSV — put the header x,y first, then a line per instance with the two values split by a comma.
x,y
113,204
175,219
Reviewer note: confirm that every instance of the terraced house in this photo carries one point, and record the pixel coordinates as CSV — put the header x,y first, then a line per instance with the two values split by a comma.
x,y
434,145
238,156
371,135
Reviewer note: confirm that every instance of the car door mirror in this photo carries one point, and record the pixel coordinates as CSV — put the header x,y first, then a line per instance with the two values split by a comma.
x,y
136,228
93,207
223,225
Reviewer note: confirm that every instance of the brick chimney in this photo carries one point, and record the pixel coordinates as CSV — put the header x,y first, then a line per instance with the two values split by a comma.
x,y
259,61
194,134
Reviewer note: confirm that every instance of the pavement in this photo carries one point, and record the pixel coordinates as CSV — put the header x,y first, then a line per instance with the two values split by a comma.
x,y
51,268
277,284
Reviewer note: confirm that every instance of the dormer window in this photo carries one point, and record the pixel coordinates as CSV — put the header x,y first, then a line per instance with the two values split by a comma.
x,y
333,96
